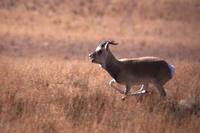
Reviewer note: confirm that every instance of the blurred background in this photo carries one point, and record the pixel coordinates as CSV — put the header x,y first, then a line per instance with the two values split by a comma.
x,y
71,29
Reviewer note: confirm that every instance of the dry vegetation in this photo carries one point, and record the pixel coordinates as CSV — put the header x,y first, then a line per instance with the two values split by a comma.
x,y
48,85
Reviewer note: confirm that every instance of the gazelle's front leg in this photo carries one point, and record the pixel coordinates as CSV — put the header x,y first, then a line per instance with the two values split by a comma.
x,y
117,89
128,87
125,92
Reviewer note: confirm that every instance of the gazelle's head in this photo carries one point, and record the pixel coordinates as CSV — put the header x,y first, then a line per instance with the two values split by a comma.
x,y
102,53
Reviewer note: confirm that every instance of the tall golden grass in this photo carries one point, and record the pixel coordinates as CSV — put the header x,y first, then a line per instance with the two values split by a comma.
x,y
44,95
48,85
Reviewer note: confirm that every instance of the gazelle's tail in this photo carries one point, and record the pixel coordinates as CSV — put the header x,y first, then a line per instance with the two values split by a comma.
x,y
172,69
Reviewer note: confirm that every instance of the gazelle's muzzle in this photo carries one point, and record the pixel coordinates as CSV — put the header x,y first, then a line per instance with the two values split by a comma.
x,y
92,57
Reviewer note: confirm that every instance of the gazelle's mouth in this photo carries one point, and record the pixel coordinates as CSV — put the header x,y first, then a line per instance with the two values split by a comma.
x,y
91,59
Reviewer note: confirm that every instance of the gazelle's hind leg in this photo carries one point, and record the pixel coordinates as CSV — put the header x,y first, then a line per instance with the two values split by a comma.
x,y
160,89
143,89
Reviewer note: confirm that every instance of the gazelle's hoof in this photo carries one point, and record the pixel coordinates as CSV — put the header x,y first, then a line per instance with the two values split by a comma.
x,y
143,91
123,98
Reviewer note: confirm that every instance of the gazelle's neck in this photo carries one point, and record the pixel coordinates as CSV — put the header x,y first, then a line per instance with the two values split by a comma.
x,y
112,66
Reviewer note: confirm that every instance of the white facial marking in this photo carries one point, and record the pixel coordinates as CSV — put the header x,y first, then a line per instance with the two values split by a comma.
x,y
98,48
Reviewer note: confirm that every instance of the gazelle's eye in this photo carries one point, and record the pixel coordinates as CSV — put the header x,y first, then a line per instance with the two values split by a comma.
x,y
99,52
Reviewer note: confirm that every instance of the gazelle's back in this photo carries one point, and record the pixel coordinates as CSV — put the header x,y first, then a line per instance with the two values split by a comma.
x,y
151,68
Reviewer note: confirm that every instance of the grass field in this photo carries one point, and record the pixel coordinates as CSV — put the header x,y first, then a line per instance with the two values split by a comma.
x,y
47,83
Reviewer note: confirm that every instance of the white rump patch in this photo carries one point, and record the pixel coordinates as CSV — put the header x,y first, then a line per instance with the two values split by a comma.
x,y
172,69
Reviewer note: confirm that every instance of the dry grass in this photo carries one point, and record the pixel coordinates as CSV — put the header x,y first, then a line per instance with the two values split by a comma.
x,y
48,85
44,95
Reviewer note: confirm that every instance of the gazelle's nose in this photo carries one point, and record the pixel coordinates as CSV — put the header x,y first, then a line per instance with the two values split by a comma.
x,y
91,55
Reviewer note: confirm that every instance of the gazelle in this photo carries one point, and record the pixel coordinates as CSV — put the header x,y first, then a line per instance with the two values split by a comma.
x,y
134,71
